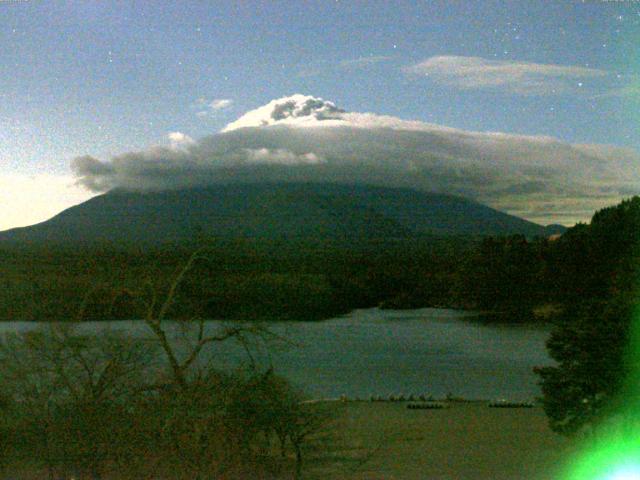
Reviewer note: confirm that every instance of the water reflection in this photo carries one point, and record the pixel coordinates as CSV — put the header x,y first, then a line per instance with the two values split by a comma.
x,y
383,352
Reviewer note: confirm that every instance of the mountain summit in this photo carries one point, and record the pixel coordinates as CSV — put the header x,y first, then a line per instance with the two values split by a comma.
x,y
298,110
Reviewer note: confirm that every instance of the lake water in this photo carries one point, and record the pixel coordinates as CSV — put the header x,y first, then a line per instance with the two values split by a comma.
x,y
384,352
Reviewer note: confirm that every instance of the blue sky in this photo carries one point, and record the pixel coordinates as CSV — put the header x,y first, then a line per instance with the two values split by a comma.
x,y
102,78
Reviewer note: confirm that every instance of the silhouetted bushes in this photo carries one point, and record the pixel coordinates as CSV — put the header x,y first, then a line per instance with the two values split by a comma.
x,y
107,406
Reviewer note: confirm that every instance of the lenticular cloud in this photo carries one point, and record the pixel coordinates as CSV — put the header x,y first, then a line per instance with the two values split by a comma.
x,y
303,138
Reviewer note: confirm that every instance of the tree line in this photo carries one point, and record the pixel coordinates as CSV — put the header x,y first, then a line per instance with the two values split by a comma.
x,y
240,280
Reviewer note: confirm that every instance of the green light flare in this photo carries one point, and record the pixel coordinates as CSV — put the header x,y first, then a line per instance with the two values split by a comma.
x,y
626,473
611,458
614,453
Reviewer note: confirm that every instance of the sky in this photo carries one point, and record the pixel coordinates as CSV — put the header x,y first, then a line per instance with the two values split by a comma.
x,y
84,82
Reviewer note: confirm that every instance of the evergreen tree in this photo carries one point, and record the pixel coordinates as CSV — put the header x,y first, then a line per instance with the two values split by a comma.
x,y
590,344
592,341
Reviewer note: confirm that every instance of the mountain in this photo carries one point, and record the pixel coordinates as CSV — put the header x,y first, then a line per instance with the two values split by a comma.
x,y
271,211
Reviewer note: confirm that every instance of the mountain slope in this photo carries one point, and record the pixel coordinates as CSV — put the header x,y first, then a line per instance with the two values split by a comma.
x,y
273,211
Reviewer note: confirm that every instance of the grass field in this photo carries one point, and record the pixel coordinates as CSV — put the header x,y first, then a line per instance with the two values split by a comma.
x,y
466,441
387,441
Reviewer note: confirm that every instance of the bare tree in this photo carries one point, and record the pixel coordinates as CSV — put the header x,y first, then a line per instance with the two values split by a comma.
x,y
195,397
101,404
76,392
180,363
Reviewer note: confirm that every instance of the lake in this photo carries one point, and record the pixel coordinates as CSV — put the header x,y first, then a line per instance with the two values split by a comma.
x,y
384,352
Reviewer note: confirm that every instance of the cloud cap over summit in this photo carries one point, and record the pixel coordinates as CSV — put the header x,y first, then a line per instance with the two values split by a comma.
x,y
304,138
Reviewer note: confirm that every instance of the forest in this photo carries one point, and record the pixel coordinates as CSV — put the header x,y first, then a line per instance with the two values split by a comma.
x,y
510,278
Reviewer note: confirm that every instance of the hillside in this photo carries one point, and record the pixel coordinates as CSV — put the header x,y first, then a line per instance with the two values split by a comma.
x,y
272,211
